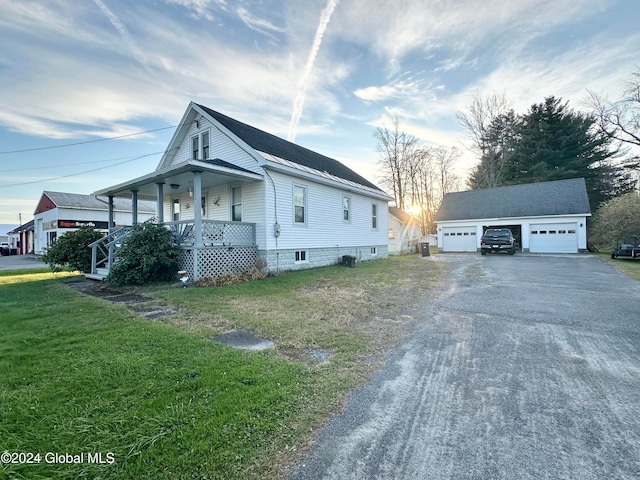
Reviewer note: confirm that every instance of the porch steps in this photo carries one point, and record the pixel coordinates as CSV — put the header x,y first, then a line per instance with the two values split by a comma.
x,y
101,274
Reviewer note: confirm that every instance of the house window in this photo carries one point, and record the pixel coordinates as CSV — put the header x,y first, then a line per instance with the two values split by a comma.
x,y
391,234
198,142
205,145
236,204
301,256
195,147
374,216
175,209
374,251
299,204
346,208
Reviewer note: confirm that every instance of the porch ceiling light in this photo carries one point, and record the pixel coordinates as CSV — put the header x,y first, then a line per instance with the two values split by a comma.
x,y
175,186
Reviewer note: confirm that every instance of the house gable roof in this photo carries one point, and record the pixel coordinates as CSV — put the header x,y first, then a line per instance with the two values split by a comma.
x,y
265,142
560,197
401,215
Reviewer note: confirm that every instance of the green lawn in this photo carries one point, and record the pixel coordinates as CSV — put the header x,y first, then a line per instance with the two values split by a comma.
x,y
630,267
159,400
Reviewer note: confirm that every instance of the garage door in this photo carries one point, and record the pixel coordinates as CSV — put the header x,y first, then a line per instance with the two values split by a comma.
x,y
459,239
554,238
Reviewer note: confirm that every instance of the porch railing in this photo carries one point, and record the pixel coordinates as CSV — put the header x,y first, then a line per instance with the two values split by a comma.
x,y
214,233
103,250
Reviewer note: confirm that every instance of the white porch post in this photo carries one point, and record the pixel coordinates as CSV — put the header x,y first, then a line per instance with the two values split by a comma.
x,y
160,205
197,219
197,205
110,217
134,206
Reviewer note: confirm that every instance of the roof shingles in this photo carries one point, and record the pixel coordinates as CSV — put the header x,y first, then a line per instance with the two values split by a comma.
x,y
279,147
561,197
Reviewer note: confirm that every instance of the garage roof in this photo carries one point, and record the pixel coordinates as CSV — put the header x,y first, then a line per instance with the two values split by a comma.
x,y
560,197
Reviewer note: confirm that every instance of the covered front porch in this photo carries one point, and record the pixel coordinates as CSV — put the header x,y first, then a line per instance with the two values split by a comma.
x,y
198,208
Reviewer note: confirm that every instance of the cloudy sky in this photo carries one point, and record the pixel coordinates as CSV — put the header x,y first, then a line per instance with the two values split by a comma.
x,y
74,74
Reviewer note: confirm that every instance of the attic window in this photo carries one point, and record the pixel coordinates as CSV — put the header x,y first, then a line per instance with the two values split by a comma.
x,y
195,147
205,145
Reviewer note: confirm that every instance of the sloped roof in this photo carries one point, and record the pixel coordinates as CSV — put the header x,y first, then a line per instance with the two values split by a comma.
x,y
89,202
279,147
560,197
22,228
401,214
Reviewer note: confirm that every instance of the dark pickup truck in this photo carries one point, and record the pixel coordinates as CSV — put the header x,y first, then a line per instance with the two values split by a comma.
x,y
496,239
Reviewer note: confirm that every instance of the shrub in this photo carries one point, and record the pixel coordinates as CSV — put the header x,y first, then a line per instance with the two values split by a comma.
x,y
147,255
72,250
616,219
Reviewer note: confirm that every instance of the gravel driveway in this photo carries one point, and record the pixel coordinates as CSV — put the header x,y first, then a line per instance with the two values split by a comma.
x,y
524,367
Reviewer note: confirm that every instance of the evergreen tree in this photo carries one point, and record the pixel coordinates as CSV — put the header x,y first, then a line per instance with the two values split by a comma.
x,y
552,142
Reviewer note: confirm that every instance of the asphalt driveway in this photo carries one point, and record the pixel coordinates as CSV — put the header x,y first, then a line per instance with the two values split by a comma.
x,y
18,262
524,367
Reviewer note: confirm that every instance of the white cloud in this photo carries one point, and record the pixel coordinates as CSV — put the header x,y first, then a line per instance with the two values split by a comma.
x,y
256,23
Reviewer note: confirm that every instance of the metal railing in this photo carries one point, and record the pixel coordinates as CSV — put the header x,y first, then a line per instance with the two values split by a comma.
x,y
103,250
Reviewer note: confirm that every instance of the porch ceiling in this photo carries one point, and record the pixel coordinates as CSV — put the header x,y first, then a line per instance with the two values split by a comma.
x,y
180,175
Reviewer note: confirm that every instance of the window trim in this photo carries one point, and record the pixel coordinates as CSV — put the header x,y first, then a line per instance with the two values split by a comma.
x,y
175,201
232,205
304,206
374,216
195,146
300,256
347,210
205,149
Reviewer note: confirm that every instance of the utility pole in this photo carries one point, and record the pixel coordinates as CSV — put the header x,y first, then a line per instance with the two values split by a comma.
x,y
20,219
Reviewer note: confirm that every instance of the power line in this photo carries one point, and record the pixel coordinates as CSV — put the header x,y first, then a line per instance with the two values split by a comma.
x,y
4,170
86,142
78,173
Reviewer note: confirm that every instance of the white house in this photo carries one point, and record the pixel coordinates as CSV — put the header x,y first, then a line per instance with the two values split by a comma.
x,y
545,217
235,195
404,232
58,213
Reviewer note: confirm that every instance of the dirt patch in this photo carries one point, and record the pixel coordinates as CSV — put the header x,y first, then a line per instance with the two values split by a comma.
x,y
244,340
146,307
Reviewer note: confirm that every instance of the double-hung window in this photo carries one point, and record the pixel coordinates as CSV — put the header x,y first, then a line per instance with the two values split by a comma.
x,y
299,205
195,147
346,208
205,145
200,146
236,204
374,216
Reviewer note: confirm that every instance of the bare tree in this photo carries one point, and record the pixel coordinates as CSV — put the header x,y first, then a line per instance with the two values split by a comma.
x,y
620,119
480,123
432,177
396,149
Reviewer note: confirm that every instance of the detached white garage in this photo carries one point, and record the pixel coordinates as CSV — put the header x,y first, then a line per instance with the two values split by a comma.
x,y
545,217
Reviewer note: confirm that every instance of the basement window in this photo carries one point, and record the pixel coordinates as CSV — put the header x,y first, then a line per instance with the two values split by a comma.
x,y
301,256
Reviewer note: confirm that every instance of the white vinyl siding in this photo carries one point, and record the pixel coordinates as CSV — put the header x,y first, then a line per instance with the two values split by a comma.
x,y
325,226
220,146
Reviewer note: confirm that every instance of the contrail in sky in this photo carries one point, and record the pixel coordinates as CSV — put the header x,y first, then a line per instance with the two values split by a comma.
x,y
298,104
124,33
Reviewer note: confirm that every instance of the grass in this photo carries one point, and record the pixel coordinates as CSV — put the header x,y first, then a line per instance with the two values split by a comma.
x,y
82,376
630,267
